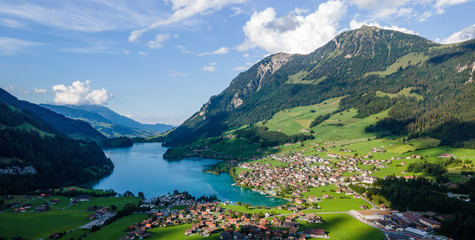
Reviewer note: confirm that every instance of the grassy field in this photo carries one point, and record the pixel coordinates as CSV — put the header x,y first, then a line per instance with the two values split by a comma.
x,y
342,127
32,225
40,225
343,226
272,162
404,92
414,58
336,204
253,210
119,202
298,79
176,232
291,121
116,229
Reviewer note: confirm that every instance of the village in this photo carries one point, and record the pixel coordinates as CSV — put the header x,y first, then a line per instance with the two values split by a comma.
x,y
303,172
207,218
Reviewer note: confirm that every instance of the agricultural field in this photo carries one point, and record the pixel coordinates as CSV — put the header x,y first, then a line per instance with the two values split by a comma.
x,y
292,121
253,210
40,225
336,204
116,229
342,226
119,202
176,232
59,218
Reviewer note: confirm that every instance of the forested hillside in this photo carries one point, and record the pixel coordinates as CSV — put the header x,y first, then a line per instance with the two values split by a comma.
x,y
358,65
33,155
75,129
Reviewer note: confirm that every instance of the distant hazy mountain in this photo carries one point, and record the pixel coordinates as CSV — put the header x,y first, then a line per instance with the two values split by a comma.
x,y
108,122
75,129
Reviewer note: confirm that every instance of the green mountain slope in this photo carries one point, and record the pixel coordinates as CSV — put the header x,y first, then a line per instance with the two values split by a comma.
x,y
33,155
108,122
358,66
73,128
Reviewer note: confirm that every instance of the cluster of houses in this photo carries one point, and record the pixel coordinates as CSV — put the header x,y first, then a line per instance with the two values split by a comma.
x,y
402,225
304,172
209,218
80,198
27,206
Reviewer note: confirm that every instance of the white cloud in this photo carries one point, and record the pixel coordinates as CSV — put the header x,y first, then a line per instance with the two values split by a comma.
x,y
365,4
211,67
10,46
389,9
184,9
222,50
80,93
236,11
445,3
142,53
159,39
355,24
95,16
463,35
94,47
293,33
39,90
173,73
183,49
11,23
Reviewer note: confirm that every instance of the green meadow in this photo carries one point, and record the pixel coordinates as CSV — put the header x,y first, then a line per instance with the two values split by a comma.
x,y
253,210
40,225
291,121
59,218
341,226
116,229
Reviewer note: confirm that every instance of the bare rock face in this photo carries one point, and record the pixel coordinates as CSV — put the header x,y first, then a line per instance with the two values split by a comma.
x,y
268,68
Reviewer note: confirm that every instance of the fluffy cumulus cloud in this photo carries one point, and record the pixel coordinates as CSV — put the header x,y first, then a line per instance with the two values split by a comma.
x,y
80,93
466,34
355,24
183,9
293,33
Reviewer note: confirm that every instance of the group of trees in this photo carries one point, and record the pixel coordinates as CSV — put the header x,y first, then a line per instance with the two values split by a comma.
x,y
427,169
270,138
423,195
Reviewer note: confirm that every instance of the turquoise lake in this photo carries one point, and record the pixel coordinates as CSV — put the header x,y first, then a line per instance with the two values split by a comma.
x,y
141,168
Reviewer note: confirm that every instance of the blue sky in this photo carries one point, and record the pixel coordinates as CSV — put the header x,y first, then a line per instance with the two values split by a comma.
x,y
160,60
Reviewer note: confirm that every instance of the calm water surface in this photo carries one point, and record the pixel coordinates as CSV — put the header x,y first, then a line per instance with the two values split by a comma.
x,y
142,168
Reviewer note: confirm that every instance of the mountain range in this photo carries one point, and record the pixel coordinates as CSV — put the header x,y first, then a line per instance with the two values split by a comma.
x,y
357,66
108,122
75,129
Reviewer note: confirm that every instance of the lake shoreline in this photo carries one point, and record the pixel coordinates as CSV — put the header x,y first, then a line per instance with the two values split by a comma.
x,y
142,168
